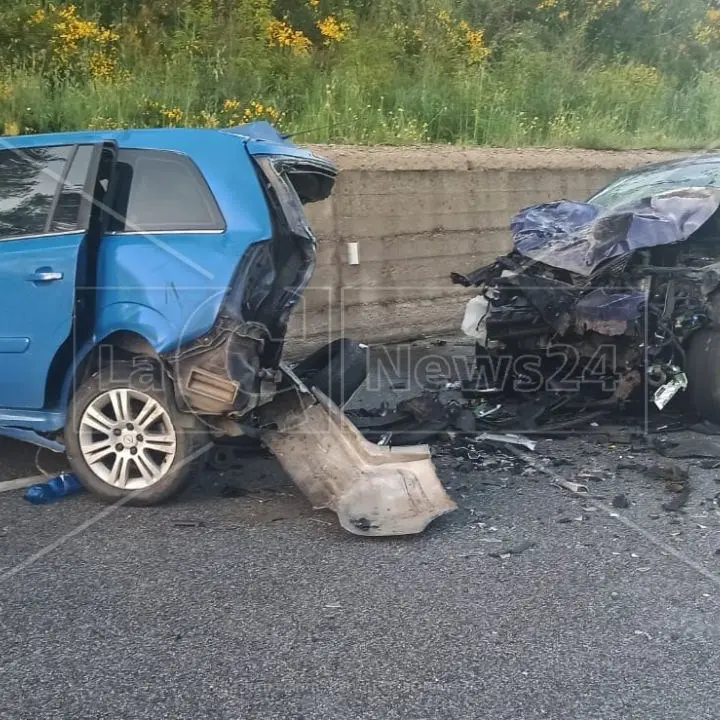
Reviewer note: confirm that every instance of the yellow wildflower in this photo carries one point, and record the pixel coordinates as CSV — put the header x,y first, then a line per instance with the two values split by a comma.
x,y
231,106
709,32
38,17
477,51
208,119
281,34
332,29
11,128
69,31
173,116
98,122
257,111
81,44
102,66
314,4
546,4
600,6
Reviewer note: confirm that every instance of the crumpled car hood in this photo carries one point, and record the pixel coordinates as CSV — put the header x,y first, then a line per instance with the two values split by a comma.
x,y
579,237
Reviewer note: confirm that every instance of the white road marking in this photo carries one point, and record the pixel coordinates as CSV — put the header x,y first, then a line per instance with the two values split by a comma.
x,y
21,483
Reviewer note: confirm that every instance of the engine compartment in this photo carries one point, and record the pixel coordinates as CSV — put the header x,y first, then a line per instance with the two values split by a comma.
x,y
626,323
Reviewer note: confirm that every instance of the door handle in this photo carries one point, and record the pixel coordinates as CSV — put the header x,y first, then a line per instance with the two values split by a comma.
x,y
45,275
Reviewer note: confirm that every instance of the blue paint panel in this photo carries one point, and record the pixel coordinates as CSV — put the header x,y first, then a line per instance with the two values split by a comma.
x,y
133,317
40,313
30,436
38,420
183,276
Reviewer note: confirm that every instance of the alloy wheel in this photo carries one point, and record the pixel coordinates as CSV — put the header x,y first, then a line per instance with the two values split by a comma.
x,y
127,439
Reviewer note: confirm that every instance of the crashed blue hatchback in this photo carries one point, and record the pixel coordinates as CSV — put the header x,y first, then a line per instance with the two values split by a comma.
x,y
148,277
618,294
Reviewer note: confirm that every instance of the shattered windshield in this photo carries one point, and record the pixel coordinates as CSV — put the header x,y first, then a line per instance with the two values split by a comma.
x,y
645,183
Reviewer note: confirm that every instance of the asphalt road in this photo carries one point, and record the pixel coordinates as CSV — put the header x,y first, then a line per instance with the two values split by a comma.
x,y
255,606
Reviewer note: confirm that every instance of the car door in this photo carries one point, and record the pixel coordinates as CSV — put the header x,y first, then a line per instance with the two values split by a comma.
x,y
163,267
49,225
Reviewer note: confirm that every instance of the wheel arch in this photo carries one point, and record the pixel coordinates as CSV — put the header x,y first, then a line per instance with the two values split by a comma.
x,y
120,344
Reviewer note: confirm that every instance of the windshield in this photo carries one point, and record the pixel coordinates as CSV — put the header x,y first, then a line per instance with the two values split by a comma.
x,y
645,183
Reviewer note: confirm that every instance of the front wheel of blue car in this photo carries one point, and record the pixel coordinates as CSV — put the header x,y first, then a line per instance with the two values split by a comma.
x,y
126,439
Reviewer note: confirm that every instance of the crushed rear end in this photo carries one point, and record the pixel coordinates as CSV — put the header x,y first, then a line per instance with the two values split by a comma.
x,y
374,490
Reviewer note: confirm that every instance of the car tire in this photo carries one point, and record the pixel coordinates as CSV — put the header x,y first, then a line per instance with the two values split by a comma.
x,y
703,373
337,369
125,438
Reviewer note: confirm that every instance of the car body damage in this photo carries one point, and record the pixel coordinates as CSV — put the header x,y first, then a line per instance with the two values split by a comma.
x,y
149,279
233,367
623,283
582,237
375,490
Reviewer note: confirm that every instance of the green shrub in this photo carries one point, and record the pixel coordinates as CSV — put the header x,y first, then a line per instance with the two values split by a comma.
x,y
595,73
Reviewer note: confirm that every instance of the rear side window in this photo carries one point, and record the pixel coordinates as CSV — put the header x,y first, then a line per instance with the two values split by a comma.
x,y
42,190
157,190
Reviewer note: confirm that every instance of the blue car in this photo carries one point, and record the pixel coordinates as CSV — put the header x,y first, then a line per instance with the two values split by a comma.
x,y
188,247
147,279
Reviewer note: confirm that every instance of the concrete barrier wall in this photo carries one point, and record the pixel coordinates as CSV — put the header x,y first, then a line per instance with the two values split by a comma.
x,y
417,214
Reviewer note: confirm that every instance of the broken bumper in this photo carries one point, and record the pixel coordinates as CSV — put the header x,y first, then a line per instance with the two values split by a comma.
x,y
374,490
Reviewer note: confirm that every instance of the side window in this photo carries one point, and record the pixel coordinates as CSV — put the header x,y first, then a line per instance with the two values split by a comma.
x,y
29,179
42,190
160,190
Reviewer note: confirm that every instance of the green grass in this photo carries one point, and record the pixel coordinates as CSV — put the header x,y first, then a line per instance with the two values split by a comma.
x,y
499,106
366,90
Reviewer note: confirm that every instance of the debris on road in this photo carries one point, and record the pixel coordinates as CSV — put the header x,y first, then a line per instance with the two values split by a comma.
x,y
696,447
506,552
670,473
573,487
54,489
589,475
620,501
679,500
374,490
665,393
508,438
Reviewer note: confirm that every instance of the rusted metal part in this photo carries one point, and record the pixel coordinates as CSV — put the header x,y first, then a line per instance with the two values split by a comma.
x,y
626,385
604,327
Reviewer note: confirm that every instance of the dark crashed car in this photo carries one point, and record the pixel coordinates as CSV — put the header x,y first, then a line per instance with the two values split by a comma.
x,y
621,291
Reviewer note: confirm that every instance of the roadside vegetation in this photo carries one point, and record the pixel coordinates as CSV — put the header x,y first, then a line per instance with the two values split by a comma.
x,y
588,73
